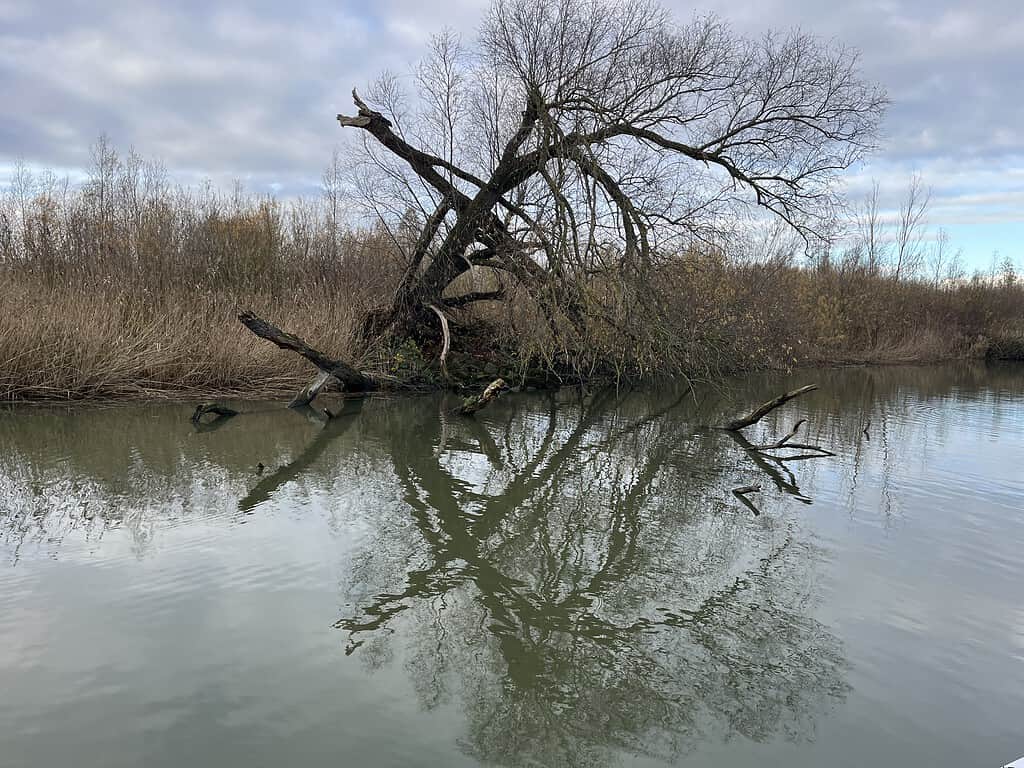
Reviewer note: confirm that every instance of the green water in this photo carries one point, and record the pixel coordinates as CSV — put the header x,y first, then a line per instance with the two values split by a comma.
x,y
559,582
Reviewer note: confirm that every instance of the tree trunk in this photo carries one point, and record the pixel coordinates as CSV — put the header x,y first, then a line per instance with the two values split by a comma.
x,y
352,379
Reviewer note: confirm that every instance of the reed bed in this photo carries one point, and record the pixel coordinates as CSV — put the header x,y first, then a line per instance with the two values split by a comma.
x,y
128,287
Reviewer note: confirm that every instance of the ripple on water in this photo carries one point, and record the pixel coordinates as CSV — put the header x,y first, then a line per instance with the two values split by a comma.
x,y
546,585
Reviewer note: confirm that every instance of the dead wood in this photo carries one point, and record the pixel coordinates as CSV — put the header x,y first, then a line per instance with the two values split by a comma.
x,y
350,378
473,404
782,443
220,412
815,452
779,473
741,494
332,428
764,409
447,338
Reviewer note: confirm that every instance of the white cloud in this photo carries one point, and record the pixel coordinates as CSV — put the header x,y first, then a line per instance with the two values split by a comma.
x,y
249,90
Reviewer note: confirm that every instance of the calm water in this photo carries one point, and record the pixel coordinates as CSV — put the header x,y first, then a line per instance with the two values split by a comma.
x,y
559,582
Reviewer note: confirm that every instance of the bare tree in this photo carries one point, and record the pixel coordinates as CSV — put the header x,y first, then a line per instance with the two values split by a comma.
x,y
583,137
955,272
872,232
939,257
908,250
332,192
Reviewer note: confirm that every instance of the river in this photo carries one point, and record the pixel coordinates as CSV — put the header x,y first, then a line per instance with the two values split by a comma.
x,y
564,580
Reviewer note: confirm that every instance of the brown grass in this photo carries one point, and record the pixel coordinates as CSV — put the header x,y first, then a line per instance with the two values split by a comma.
x,y
128,287
106,343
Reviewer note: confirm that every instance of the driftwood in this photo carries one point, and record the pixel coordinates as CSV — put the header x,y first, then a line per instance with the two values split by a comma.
x,y
815,451
782,443
473,404
351,379
741,494
309,392
763,410
219,411
764,455
744,489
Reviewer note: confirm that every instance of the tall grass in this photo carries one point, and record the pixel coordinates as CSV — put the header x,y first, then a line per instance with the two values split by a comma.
x,y
128,286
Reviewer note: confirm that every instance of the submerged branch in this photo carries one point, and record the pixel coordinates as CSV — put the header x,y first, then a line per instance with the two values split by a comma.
x,y
334,426
473,404
741,494
308,393
220,412
782,442
785,484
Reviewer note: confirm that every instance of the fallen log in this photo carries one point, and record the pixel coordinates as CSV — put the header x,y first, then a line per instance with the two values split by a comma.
x,y
473,404
350,378
763,410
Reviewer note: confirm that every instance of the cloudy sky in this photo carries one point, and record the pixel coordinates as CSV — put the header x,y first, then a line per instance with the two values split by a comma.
x,y
249,90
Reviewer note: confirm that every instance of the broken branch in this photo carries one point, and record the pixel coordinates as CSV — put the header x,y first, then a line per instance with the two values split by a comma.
x,y
741,494
220,411
353,380
473,404
782,443
763,410
447,338
816,452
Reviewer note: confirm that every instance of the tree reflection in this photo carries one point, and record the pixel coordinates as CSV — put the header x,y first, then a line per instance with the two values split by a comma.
x,y
572,573
329,429
584,595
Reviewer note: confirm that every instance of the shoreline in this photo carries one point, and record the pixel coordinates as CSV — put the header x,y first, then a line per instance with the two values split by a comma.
x,y
171,395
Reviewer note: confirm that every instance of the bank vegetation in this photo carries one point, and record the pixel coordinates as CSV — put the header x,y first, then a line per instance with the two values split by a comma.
x,y
668,207
129,286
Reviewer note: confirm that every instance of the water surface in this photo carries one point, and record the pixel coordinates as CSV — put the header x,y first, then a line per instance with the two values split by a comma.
x,y
562,581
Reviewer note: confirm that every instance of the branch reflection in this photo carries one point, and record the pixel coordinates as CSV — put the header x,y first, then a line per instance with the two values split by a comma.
x,y
585,593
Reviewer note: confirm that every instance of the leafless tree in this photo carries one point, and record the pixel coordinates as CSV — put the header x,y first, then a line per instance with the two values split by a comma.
x,y
872,232
908,249
332,193
939,257
580,138
955,272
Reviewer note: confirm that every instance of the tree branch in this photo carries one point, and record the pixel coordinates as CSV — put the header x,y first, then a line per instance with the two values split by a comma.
x,y
353,380
763,410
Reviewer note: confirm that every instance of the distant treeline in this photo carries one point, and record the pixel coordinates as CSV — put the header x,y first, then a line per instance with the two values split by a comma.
x,y
129,285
